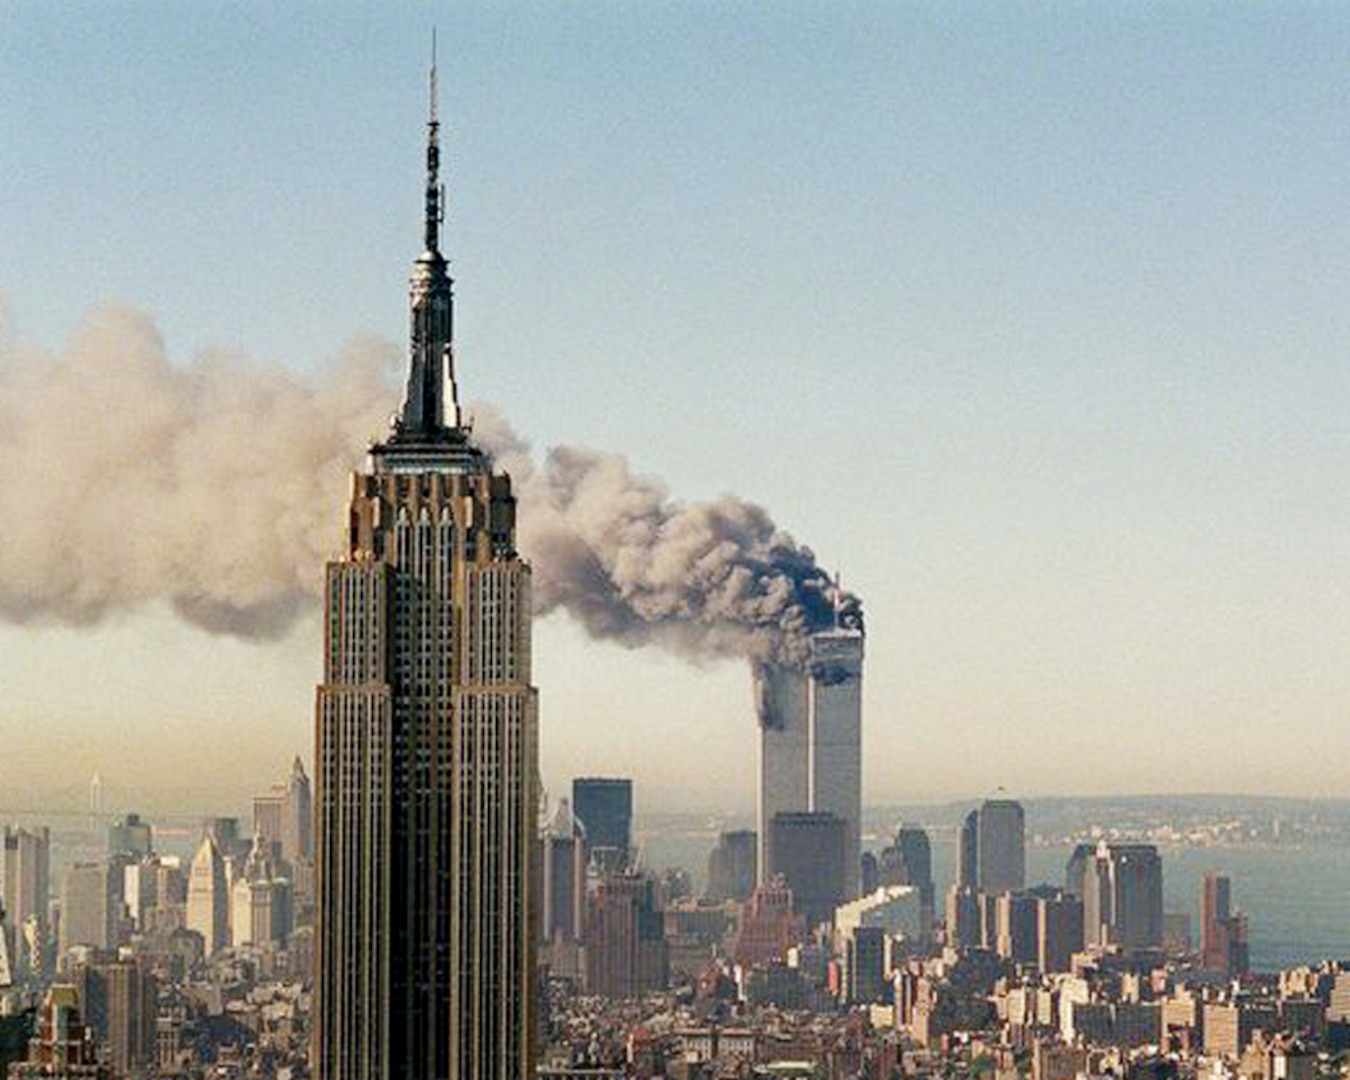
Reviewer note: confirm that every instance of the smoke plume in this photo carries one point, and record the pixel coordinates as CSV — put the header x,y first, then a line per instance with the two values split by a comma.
x,y
217,488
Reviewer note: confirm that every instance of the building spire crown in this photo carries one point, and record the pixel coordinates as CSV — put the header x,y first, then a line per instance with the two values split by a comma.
x,y
435,193
431,413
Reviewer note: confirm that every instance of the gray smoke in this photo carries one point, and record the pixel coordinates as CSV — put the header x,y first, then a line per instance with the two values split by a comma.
x,y
217,488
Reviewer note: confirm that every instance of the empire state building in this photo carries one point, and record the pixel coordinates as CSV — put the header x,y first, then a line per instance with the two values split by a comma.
x,y
427,746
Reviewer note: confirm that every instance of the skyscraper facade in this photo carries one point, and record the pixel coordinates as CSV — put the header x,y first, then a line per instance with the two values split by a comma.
x,y
836,738
426,779
1123,897
604,804
809,850
810,750
208,900
1001,855
784,708
25,887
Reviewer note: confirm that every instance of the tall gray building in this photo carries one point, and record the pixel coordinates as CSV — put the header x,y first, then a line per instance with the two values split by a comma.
x,y
810,751
604,805
836,738
1001,849
1123,897
25,887
426,778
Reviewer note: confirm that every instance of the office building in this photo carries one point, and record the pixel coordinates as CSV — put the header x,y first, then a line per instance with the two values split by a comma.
x,y
140,889
836,738
25,888
63,1047
604,806
426,774
784,777
963,917
1075,870
909,861
130,837
260,900
864,965
1059,931
808,850
283,817
810,749
90,902
1001,847
967,851
118,1001
625,938
208,897
1016,931
1223,933
733,865
1122,897
564,886
769,926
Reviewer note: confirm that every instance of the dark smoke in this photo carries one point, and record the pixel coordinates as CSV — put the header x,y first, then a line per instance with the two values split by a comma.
x,y
217,488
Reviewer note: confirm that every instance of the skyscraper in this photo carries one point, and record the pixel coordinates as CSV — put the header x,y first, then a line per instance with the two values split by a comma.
x,y
604,805
836,738
1123,897
1223,933
810,748
808,850
426,771
208,901
784,708
967,851
564,887
25,887
1001,850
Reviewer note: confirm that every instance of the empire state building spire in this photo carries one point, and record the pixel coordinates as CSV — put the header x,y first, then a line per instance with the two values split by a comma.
x,y
430,410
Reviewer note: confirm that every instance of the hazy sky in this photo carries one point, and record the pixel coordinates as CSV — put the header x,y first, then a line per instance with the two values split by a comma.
x,y
1031,318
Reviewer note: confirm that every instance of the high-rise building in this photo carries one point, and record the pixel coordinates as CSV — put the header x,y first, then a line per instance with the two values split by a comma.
x,y
1059,930
1075,870
1015,935
625,938
809,851
426,775
968,851
1001,855
208,898
564,888
864,964
260,900
283,816
784,777
1122,897
733,865
810,747
963,917
1223,933
90,906
909,861
131,837
769,925
25,888
604,805
63,1048
118,1000
836,738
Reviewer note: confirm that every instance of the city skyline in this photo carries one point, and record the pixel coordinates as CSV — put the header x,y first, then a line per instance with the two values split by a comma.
x,y
1076,448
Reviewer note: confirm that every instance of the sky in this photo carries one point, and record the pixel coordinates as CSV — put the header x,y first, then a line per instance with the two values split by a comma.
x,y
1030,320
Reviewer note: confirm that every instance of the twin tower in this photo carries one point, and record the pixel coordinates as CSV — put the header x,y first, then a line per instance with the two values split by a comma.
x,y
810,758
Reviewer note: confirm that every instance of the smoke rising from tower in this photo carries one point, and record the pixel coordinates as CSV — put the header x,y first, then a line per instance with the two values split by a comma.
x,y
130,481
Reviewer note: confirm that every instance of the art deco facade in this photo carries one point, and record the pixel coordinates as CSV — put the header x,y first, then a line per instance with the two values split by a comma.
x,y
426,777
